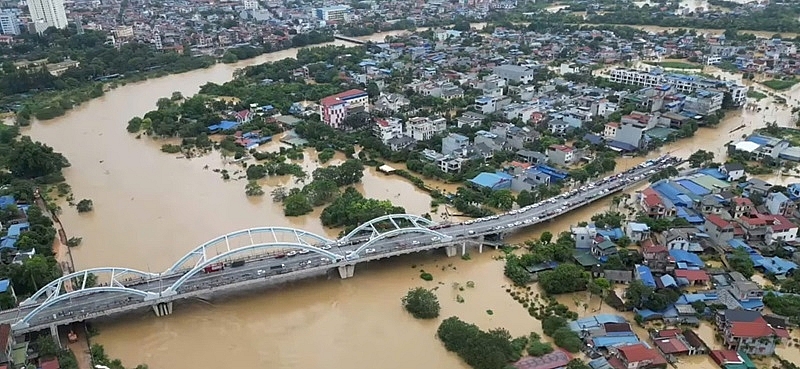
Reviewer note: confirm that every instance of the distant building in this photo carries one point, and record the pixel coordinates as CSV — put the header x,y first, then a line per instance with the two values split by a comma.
x,y
334,109
515,73
250,4
47,13
336,13
9,22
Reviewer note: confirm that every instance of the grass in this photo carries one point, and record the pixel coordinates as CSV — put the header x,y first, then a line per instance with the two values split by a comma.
x,y
753,94
676,65
780,84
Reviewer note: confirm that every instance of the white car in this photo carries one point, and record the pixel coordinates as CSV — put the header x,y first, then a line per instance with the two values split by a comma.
x,y
303,251
436,238
325,247
370,251
291,253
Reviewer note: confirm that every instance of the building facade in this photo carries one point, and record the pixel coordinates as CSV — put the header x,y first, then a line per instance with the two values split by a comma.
x,y
337,13
47,13
9,22
334,109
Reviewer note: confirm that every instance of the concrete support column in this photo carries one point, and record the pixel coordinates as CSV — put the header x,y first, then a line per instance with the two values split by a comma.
x,y
163,309
54,333
464,248
451,251
347,271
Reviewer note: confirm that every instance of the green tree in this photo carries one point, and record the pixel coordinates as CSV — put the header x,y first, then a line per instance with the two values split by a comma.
x,y
565,278
29,159
421,303
253,189
740,261
85,206
296,205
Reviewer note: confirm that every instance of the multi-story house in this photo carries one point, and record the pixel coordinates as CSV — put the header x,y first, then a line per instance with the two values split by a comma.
x,y
734,171
334,109
779,229
387,129
561,154
454,143
610,132
779,204
422,128
747,331
515,73
719,229
470,119
657,258
741,206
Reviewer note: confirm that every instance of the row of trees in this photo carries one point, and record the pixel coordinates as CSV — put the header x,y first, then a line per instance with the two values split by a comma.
x,y
323,189
481,350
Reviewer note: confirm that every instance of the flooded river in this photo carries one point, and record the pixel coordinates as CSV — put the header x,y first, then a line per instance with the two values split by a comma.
x,y
151,208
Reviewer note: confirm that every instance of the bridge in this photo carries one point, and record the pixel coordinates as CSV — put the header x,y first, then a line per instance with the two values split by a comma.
x,y
349,39
266,255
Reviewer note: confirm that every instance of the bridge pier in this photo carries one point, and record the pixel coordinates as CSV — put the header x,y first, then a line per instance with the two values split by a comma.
x,y
451,250
54,334
163,309
347,271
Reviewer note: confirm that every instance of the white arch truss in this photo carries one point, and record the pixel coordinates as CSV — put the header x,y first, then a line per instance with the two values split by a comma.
x,y
24,322
416,221
296,236
172,289
383,236
115,277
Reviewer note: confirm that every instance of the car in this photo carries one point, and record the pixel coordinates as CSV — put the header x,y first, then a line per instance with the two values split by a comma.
x,y
471,232
325,247
303,251
370,251
415,243
435,238
291,253
261,271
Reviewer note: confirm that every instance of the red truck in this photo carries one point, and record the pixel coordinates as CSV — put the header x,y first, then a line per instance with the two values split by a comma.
x,y
213,268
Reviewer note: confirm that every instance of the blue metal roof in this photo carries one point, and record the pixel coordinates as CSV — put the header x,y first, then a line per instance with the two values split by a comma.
x,y
646,276
4,284
693,187
761,140
714,173
668,281
612,341
686,257
7,200
494,181
595,321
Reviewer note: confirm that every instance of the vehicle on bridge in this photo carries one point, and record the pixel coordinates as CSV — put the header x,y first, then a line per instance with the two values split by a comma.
x,y
214,268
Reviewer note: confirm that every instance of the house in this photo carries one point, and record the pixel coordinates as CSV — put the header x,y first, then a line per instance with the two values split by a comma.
x,y
470,119
779,204
400,143
555,360
391,103
561,155
644,274
741,206
657,258
583,236
515,73
733,171
731,359
637,232
610,131
636,356
423,128
604,248
387,129
689,277
719,229
748,332
680,239
492,181
244,116
618,276
335,108
779,229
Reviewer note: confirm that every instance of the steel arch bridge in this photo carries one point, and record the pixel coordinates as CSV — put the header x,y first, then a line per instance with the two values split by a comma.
x,y
397,223
173,289
125,281
80,281
200,254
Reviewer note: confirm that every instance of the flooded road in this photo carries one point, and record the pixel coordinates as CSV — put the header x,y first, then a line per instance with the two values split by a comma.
x,y
151,208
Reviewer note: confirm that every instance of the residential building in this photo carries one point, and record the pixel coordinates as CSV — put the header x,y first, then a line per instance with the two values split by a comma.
x,y
422,128
250,4
486,104
387,129
637,356
6,343
515,73
470,119
334,109
632,136
747,331
779,204
47,13
9,22
583,236
561,155
604,248
657,258
733,171
684,83
720,230
610,132
336,13
391,103
454,143
703,102
637,232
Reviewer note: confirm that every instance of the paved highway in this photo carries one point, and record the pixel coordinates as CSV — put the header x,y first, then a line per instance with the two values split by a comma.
x,y
350,252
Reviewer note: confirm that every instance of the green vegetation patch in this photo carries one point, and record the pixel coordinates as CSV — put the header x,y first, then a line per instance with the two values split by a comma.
x,y
753,94
780,84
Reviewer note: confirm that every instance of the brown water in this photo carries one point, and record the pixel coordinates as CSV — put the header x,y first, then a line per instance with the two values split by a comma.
x,y
150,208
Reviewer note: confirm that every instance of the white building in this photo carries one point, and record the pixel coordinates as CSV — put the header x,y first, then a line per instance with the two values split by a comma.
x,y
421,128
336,13
387,129
250,4
682,82
47,13
9,22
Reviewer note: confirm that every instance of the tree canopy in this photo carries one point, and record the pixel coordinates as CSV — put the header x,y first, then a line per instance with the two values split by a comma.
x,y
421,303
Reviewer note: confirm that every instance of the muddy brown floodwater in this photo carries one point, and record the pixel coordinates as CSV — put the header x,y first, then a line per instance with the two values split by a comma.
x,y
151,208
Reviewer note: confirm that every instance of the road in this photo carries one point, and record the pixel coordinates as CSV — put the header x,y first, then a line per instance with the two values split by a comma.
x,y
351,252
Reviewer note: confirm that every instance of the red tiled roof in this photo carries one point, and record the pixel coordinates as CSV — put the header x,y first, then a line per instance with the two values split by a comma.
x,y
655,249
780,223
753,221
613,124
5,333
742,201
756,329
717,221
639,352
651,198
692,275
556,359
671,345
723,357
337,99
668,332
563,148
